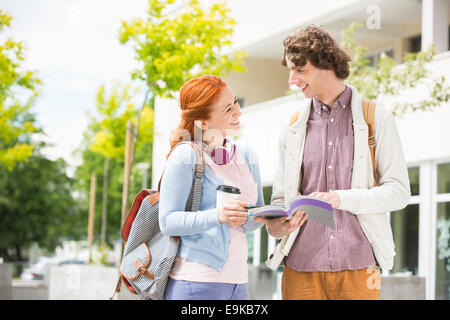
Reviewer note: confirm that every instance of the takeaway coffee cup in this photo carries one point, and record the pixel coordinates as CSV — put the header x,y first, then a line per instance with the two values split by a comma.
x,y
225,193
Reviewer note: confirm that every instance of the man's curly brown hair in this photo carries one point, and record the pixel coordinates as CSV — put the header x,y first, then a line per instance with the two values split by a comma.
x,y
317,46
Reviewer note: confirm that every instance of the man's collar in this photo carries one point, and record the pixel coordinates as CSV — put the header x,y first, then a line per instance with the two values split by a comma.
x,y
342,101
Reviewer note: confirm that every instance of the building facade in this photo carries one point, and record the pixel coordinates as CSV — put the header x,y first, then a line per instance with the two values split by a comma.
x,y
421,230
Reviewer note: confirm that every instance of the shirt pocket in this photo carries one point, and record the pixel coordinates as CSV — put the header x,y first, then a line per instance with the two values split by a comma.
x,y
314,148
344,147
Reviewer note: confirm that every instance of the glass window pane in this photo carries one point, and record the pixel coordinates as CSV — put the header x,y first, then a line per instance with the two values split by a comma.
x,y
405,229
267,191
443,252
414,174
250,247
264,245
444,178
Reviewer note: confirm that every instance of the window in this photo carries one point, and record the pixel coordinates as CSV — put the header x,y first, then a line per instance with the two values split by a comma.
x,y
241,102
267,191
375,57
250,247
389,53
413,174
443,252
405,229
260,253
443,233
415,44
443,178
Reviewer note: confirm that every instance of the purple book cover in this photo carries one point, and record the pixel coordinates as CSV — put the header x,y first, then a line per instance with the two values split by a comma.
x,y
317,209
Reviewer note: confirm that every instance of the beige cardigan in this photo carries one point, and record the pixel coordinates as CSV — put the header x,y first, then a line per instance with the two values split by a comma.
x,y
370,204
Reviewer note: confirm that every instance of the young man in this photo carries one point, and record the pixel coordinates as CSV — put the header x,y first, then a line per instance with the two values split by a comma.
x,y
325,153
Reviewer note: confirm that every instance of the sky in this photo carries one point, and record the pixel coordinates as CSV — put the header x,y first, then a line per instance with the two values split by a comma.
x,y
73,45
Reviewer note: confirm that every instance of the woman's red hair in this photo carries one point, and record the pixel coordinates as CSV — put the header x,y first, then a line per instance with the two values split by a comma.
x,y
196,98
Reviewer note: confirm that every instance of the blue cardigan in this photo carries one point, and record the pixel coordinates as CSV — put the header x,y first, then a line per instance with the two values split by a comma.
x,y
203,238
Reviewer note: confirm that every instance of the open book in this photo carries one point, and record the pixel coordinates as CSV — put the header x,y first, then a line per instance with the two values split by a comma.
x,y
317,209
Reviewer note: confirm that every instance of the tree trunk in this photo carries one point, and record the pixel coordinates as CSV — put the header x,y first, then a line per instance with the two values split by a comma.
x,y
19,259
105,200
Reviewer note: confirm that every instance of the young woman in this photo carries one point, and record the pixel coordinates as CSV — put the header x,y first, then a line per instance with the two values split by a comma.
x,y
212,258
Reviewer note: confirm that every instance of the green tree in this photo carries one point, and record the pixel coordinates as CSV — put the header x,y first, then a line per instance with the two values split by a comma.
x,y
18,91
390,80
36,205
115,111
104,142
172,47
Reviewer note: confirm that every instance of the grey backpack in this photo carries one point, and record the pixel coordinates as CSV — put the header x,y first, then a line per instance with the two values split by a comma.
x,y
148,254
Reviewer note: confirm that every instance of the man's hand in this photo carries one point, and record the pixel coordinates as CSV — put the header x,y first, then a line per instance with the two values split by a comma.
x,y
331,197
279,227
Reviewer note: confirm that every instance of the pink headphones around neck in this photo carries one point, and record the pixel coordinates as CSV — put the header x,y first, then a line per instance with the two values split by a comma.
x,y
223,155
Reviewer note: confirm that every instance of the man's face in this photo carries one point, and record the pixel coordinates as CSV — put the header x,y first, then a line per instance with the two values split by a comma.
x,y
308,78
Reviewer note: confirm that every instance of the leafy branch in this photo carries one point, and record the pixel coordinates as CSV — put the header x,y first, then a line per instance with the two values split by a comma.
x,y
393,81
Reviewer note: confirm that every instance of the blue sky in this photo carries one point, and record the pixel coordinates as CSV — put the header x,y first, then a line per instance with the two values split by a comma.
x,y
73,45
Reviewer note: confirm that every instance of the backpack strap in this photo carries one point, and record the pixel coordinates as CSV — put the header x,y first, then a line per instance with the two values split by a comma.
x,y
369,116
193,201
295,116
199,161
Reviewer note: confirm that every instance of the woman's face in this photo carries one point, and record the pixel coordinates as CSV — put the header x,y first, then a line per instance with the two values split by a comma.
x,y
224,117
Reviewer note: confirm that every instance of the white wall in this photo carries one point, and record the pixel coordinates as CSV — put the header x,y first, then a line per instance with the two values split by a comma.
x,y
266,79
261,127
82,282
426,135
167,118
258,19
422,133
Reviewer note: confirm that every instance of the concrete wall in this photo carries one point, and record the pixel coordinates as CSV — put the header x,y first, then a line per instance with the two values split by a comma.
x,y
5,281
266,285
71,282
261,282
80,282
29,290
77,282
402,288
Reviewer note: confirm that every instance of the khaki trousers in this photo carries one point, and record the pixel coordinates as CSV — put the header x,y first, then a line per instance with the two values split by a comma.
x,y
362,284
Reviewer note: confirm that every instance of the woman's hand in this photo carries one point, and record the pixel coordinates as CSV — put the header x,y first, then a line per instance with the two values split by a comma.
x,y
234,213
279,227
